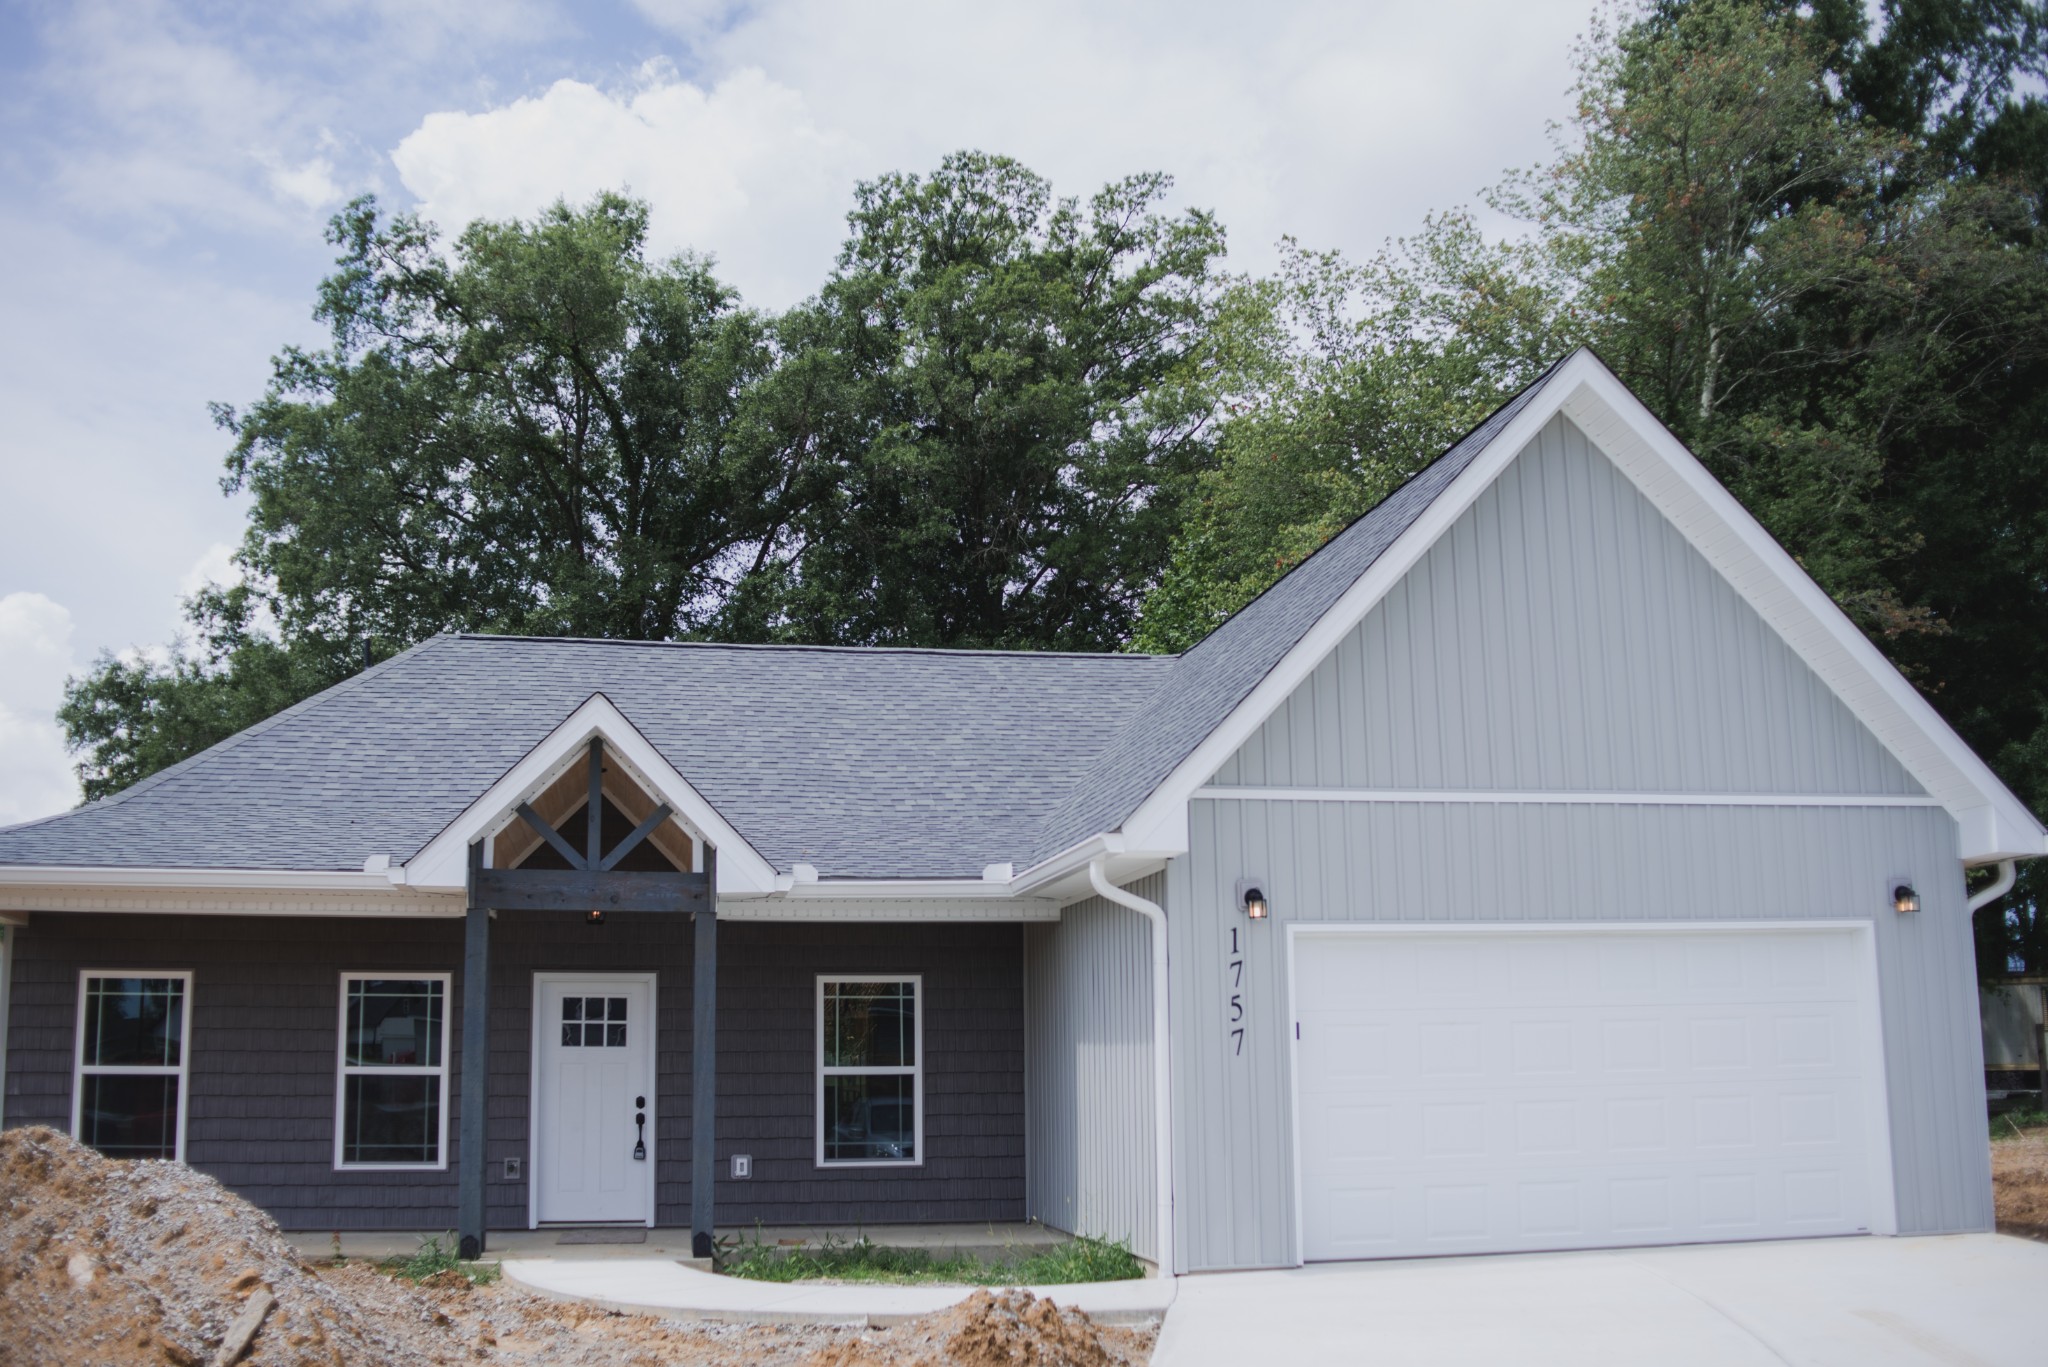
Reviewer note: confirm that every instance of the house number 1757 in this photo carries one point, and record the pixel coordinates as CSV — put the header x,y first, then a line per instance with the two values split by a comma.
x,y
1234,985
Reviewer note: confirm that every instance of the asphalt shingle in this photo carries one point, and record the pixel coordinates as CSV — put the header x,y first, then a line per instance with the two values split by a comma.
x,y
863,763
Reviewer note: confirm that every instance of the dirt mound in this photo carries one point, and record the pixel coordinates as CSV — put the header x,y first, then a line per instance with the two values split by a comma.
x,y
141,1264
118,1263
992,1329
2019,1179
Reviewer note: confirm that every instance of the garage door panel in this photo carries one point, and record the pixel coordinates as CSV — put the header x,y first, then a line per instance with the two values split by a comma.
x,y
1610,1118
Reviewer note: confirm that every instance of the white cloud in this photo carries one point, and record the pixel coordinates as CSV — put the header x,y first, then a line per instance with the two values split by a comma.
x,y
216,565
310,183
1341,124
740,169
35,658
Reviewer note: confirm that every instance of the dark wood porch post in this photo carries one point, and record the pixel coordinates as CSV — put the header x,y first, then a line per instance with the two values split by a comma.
x,y
476,1061
704,1064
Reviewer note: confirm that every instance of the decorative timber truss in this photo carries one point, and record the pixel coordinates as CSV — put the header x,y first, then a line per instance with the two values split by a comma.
x,y
594,886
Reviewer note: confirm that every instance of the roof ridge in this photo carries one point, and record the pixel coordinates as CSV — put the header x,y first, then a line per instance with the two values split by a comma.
x,y
229,743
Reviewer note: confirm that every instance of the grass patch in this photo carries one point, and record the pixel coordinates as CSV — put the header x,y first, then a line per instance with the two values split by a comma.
x,y
2017,1124
432,1258
863,1260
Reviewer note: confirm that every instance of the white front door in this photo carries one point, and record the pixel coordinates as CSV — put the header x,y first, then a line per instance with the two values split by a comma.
x,y
1497,1090
593,1125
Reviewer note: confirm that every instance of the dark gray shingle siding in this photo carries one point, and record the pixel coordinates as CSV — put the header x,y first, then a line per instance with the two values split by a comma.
x,y
265,1011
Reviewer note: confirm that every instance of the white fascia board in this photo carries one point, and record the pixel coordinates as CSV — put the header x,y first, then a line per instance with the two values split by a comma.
x,y
891,909
389,902
197,880
444,862
1994,824
858,889
1161,820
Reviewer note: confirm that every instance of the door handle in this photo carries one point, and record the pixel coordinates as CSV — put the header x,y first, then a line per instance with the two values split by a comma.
x,y
640,1144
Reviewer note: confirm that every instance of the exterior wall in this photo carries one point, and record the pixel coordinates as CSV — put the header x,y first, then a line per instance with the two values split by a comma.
x,y
1561,638
1564,636
265,1012
1088,1051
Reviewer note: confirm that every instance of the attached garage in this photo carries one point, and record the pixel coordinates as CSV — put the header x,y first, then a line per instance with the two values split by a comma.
x,y
1493,1089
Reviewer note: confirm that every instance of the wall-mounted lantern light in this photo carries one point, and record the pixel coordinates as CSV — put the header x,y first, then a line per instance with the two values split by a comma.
x,y
1251,898
593,917
1904,899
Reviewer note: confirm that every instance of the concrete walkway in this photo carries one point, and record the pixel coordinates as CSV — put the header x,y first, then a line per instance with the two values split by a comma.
x,y
652,1286
1974,1299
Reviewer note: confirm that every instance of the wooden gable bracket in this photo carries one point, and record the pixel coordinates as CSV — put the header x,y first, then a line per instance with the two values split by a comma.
x,y
592,882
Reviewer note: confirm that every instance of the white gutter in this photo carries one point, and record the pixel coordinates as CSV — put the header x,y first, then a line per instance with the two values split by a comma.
x,y
2008,871
1162,1077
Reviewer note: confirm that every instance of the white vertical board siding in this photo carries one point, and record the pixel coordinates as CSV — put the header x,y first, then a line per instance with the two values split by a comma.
x,y
1415,862
1088,1066
1564,635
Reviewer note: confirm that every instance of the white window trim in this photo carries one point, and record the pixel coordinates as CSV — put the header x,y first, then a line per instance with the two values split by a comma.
x,y
80,1069
915,1072
343,1069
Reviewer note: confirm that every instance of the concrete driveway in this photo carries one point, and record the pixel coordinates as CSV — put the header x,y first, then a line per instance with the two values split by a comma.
x,y
1975,1299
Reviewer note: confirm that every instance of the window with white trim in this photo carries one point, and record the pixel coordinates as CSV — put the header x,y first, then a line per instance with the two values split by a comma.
x,y
128,1085
392,1098
870,1069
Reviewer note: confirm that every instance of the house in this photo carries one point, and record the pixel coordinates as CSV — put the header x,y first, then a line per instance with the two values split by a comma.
x,y
1544,863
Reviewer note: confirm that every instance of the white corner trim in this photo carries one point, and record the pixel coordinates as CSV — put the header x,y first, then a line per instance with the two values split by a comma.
x,y
1482,796
444,862
1993,823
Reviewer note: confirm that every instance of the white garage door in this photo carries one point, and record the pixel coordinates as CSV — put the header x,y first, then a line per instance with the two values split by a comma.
x,y
1487,1091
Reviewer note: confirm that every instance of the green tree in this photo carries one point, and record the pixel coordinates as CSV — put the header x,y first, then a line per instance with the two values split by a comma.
x,y
1010,392
130,717
1339,383
539,431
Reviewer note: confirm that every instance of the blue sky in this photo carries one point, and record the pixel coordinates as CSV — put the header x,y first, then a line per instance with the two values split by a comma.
x,y
166,171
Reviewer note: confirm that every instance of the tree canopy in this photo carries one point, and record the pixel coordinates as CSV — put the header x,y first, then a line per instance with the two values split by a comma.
x,y
1810,235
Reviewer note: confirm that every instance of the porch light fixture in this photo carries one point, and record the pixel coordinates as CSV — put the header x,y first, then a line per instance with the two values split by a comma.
x,y
1904,899
1252,901
593,917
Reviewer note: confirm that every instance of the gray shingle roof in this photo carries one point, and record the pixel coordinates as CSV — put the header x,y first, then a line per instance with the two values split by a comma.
x,y
864,763
900,763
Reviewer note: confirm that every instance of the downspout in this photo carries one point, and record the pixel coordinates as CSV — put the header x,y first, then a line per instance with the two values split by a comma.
x,y
2008,870
1162,1064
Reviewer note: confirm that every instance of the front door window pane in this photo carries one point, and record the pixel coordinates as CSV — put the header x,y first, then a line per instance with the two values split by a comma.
x,y
594,1022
